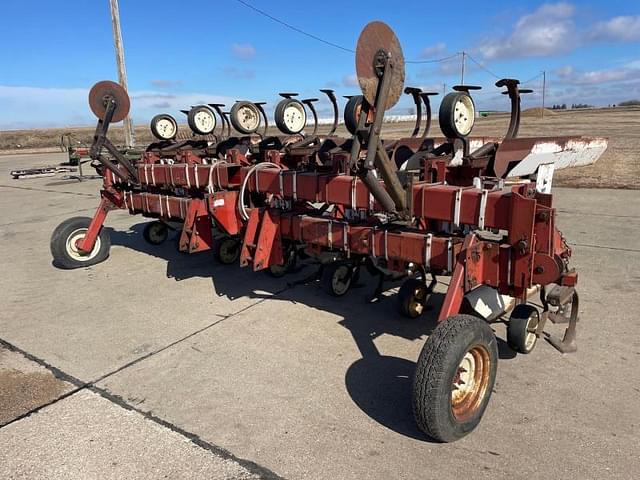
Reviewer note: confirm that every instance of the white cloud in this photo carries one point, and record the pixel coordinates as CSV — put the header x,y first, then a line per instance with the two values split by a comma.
x,y
433,51
569,76
547,31
243,51
31,107
350,80
620,29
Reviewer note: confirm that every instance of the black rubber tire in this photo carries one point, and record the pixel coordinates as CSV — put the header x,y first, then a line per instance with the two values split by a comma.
x,y
234,114
408,294
447,112
192,123
518,328
154,130
352,113
155,233
333,269
278,115
227,250
290,260
436,369
62,233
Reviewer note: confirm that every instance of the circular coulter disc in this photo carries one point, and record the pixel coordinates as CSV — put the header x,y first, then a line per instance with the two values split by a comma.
x,y
378,36
97,100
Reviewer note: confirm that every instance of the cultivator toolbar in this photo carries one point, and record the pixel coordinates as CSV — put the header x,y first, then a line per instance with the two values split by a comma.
x,y
476,209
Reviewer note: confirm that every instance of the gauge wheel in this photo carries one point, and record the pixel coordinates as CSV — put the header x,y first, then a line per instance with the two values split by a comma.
x,y
245,117
337,278
521,329
352,113
290,260
412,297
457,115
201,120
155,232
227,250
64,241
290,116
164,127
454,377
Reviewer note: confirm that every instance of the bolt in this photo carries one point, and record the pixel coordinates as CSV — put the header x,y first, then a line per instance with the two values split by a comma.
x,y
522,245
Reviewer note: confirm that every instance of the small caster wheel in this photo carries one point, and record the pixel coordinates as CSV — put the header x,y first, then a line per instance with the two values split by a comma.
x,y
290,259
412,297
337,278
64,244
521,330
155,232
454,377
227,250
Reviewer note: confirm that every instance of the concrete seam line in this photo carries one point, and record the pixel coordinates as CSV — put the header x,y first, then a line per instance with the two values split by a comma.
x,y
604,247
48,190
65,214
250,466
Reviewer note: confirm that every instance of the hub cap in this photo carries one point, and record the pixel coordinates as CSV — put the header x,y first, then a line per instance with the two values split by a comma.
x,y
418,299
531,338
341,280
470,382
72,246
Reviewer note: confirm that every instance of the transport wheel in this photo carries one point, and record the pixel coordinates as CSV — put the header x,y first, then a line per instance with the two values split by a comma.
x,y
290,260
352,113
457,115
412,297
65,238
245,117
454,377
521,330
290,116
337,278
227,250
155,232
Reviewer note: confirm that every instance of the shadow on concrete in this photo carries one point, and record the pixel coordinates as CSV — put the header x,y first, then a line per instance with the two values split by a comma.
x,y
378,384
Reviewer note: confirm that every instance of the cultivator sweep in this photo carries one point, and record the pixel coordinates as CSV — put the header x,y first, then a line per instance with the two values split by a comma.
x,y
476,209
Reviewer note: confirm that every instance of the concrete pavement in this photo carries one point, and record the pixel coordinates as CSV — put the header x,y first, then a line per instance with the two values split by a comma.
x,y
269,379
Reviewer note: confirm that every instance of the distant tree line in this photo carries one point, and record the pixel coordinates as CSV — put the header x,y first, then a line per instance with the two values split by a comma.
x,y
573,106
627,103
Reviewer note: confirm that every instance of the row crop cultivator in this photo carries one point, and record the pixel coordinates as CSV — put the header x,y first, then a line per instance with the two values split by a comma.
x,y
476,209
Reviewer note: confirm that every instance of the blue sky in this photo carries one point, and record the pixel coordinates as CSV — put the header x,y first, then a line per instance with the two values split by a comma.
x,y
182,53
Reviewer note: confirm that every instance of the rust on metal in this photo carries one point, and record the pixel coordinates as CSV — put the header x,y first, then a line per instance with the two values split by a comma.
x,y
378,37
104,91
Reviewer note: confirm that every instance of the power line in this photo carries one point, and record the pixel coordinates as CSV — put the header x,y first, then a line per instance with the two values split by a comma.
x,y
349,50
532,79
327,42
435,60
483,67
295,29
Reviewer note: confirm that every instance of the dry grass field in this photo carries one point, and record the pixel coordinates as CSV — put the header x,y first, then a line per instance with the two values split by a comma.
x,y
619,167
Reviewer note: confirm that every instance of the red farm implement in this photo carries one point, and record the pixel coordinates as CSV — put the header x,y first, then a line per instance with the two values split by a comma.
x,y
478,210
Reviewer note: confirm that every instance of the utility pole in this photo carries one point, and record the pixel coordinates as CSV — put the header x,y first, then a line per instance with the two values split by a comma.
x,y
122,72
464,54
544,87
444,89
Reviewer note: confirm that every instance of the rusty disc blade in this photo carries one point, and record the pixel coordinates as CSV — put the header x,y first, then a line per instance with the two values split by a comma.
x,y
378,36
98,95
